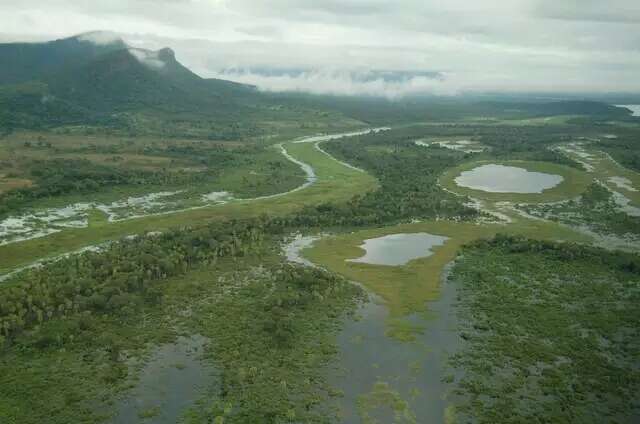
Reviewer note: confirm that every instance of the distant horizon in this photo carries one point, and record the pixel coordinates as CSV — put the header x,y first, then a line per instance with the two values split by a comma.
x,y
345,48
259,76
256,74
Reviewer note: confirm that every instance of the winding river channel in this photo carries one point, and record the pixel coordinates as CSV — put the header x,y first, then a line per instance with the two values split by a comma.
x,y
40,223
375,372
37,224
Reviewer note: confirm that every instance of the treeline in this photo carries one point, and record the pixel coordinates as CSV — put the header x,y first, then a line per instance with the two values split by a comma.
x,y
272,342
58,177
616,260
505,141
272,324
123,276
408,177
625,149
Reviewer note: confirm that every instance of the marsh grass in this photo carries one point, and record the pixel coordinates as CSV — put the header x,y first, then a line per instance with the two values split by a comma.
x,y
336,183
551,333
406,289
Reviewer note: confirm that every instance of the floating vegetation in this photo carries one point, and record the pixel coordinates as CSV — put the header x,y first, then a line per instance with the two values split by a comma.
x,y
170,381
382,396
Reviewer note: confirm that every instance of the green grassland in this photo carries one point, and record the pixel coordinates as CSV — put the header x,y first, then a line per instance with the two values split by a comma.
x,y
336,183
407,288
64,169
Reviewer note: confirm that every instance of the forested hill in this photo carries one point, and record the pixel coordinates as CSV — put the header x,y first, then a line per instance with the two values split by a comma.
x,y
382,111
23,62
98,80
80,81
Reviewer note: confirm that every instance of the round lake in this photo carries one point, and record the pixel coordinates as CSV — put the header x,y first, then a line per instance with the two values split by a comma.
x,y
507,179
398,249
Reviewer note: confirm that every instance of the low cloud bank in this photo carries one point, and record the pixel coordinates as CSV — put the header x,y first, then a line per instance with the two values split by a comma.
x,y
390,84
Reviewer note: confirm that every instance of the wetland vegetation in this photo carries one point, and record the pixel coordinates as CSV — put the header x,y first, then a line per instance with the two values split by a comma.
x,y
151,225
550,333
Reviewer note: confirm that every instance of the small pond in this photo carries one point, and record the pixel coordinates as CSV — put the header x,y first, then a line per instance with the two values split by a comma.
x,y
398,249
507,179
169,383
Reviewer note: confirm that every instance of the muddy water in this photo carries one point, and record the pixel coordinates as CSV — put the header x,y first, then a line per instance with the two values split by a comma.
x,y
413,371
293,249
507,179
169,383
410,372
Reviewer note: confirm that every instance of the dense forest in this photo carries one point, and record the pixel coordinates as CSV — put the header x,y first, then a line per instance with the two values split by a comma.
x,y
119,278
408,183
274,324
624,148
408,174
271,325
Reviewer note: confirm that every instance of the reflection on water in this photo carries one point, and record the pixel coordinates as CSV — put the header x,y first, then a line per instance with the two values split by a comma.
x,y
507,179
169,383
398,249
376,373
381,379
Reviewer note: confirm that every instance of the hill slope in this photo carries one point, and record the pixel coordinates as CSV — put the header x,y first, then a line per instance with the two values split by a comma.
x,y
96,79
77,80
22,62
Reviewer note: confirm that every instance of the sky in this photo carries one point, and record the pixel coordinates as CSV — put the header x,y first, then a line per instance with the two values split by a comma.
x,y
376,47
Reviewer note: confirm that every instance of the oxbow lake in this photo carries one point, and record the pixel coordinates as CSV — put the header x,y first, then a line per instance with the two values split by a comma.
x,y
507,179
398,249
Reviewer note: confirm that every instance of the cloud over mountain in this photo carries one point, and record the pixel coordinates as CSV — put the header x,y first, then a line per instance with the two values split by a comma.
x,y
486,45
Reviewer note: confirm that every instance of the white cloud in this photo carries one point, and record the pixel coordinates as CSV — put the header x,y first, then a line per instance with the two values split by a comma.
x,y
515,45
100,37
148,58
342,82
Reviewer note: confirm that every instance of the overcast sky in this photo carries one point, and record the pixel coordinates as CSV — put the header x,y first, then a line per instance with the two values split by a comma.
x,y
334,45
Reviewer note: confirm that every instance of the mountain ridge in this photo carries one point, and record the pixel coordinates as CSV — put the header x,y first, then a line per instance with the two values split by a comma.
x,y
96,79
